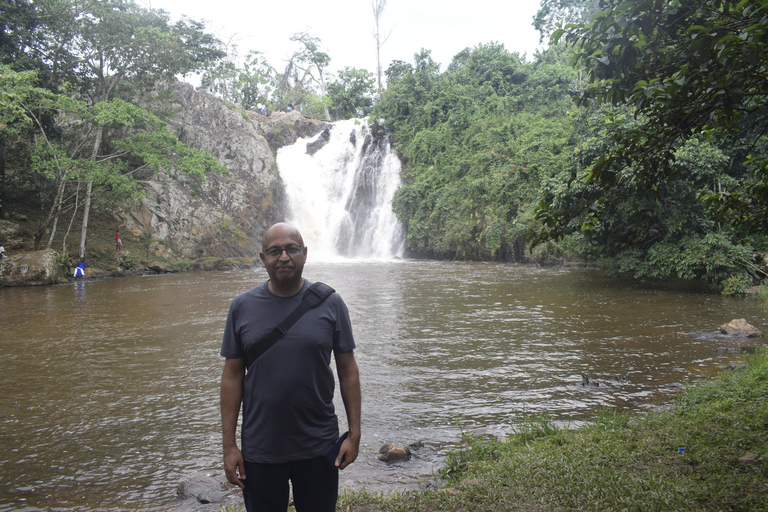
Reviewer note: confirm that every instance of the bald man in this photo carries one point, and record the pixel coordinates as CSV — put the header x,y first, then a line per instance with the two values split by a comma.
x,y
289,422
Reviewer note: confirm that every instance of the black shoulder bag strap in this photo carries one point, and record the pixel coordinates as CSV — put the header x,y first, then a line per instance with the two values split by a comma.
x,y
314,295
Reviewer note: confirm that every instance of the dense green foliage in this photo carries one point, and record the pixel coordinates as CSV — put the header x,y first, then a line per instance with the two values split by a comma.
x,y
349,95
477,140
664,176
692,75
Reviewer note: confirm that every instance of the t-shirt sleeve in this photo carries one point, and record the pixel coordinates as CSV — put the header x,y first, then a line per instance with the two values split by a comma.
x,y
343,340
231,347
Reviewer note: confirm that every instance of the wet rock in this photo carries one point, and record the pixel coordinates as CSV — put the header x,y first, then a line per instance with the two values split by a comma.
x,y
392,452
728,350
30,268
740,327
160,268
11,235
317,144
204,489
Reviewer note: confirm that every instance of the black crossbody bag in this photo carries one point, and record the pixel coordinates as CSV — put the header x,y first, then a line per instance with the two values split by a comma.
x,y
313,297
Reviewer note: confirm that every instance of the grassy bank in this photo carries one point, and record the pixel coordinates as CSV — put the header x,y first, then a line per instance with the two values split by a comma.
x,y
707,453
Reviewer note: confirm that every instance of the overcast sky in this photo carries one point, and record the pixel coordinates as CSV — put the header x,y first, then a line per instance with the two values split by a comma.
x,y
345,27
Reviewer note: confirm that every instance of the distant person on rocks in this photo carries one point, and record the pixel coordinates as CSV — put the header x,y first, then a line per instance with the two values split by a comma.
x,y
290,428
2,252
80,269
118,241
290,107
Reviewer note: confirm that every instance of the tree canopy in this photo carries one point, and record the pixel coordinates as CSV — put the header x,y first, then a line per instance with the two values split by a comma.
x,y
477,140
690,68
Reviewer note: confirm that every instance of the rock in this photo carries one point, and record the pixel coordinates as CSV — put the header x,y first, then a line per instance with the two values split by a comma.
x,y
392,452
740,327
160,268
749,457
31,268
317,144
8,231
204,489
728,350
223,216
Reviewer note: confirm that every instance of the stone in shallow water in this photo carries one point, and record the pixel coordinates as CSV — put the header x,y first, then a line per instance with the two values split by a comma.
x,y
391,452
740,327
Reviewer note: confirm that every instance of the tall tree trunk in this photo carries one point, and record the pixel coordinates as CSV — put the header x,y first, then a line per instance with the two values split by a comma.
x,y
322,94
71,220
86,212
51,215
88,190
57,208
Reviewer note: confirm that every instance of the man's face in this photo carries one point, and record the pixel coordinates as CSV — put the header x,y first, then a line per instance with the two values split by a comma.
x,y
283,254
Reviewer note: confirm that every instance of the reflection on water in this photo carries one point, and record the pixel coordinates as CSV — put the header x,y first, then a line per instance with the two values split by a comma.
x,y
110,387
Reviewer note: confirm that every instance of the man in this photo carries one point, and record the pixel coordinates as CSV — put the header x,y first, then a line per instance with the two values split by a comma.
x,y
289,422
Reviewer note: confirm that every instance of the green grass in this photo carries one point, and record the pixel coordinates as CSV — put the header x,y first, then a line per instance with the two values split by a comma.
x,y
618,463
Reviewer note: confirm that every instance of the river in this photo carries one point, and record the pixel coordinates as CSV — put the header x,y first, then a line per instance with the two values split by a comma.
x,y
110,387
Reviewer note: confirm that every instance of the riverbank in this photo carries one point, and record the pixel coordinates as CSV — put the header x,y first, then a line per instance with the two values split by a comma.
x,y
138,254
707,452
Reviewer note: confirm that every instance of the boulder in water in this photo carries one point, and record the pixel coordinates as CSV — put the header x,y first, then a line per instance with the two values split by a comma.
x,y
392,452
740,327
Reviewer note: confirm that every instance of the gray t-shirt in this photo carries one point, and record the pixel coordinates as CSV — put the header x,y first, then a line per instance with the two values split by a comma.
x,y
288,412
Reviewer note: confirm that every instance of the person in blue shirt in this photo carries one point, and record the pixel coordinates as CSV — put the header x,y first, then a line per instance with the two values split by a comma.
x,y
80,269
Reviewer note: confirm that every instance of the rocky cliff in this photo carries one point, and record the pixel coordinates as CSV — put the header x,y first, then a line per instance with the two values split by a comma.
x,y
225,215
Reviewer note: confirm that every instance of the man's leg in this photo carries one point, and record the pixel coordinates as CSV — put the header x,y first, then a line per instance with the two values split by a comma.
x,y
266,487
315,485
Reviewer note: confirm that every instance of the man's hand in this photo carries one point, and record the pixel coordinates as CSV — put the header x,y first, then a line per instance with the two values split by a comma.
x,y
234,467
348,452
349,384
231,397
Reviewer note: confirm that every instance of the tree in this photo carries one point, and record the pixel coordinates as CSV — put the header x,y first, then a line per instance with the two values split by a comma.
x,y
477,140
242,85
692,69
313,61
97,53
115,41
552,13
15,89
351,94
378,6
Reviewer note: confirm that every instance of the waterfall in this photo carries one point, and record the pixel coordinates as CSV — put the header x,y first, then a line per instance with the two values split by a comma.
x,y
339,187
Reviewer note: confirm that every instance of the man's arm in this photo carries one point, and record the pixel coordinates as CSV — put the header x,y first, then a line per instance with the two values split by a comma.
x,y
231,397
349,384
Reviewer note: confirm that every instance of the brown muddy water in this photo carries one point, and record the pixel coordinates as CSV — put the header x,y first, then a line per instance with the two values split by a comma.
x,y
110,387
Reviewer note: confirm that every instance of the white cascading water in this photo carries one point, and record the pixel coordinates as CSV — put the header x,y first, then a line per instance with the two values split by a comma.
x,y
340,197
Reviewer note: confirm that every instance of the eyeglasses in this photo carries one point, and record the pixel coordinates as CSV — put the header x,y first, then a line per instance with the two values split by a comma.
x,y
275,252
